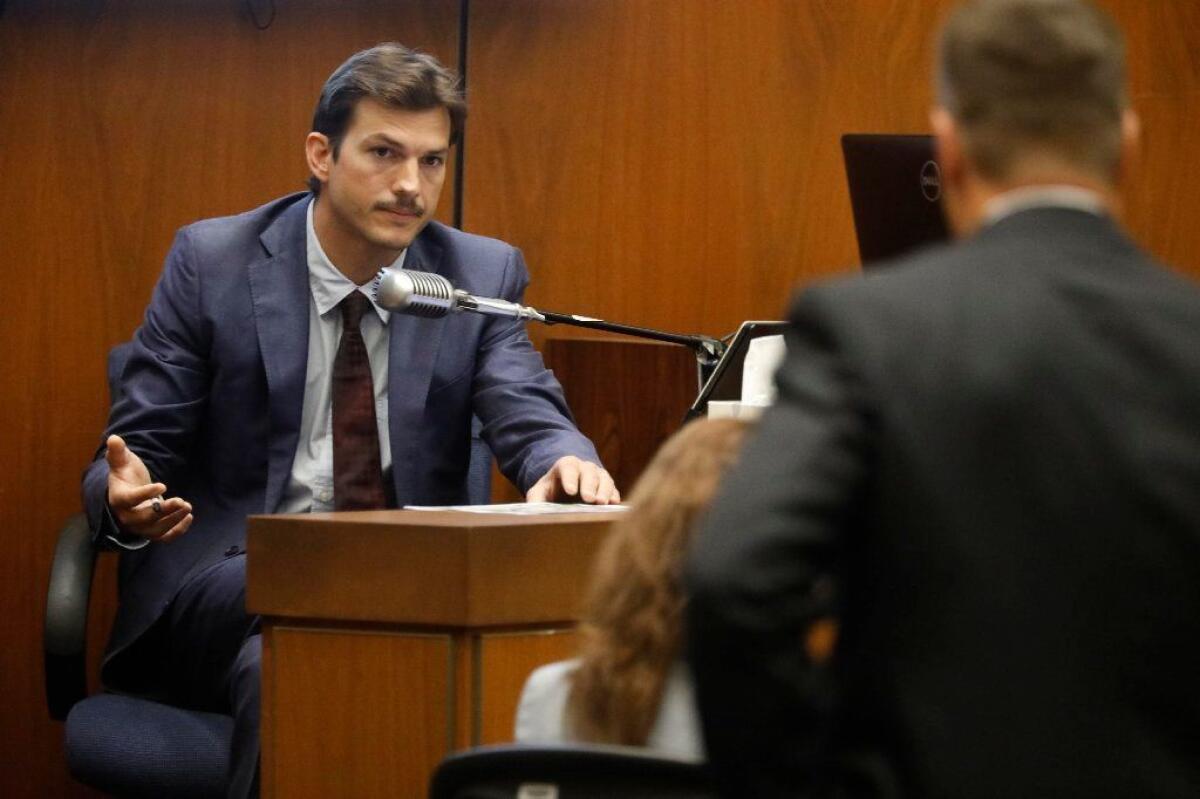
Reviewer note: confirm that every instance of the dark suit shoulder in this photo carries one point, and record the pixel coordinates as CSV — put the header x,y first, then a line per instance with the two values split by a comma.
x,y
478,264
1038,299
910,292
247,223
240,234
470,245
1038,264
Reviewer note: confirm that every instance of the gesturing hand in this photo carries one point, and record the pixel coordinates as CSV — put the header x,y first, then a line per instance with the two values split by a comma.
x,y
136,502
571,478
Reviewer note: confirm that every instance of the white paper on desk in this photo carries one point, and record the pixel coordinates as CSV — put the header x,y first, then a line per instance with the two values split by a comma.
x,y
525,508
758,371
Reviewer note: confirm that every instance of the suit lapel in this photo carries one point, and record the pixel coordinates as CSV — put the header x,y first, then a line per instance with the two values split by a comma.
x,y
280,296
413,345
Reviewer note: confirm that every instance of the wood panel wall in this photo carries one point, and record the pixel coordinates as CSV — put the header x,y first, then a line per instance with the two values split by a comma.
x,y
122,120
676,164
671,163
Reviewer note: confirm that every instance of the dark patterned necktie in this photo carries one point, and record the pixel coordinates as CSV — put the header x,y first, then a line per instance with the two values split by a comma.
x,y
357,472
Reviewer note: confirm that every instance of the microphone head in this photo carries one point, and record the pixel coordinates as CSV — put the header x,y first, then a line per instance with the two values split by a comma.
x,y
415,293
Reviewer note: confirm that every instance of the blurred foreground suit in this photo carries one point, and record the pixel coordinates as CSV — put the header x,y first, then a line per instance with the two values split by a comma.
x,y
985,464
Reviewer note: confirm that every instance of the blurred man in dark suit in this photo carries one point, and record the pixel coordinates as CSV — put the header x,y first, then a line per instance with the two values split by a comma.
x,y
984,466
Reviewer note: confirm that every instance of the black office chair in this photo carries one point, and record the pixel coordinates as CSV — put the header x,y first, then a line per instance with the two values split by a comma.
x,y
124,745
522,771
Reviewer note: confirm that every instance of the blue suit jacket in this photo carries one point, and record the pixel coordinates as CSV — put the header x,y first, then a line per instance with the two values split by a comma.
x,y
213,390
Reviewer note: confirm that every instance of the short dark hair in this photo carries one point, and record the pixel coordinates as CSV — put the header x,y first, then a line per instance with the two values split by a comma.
x,y
1044,76
391,74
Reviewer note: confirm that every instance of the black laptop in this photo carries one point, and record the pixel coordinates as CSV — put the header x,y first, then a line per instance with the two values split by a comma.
x,y
895,193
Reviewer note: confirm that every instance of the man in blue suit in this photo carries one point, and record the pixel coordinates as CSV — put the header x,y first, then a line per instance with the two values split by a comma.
x,y
230,397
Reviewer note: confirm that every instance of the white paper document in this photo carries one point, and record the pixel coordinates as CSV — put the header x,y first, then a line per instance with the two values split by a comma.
x,y
525,508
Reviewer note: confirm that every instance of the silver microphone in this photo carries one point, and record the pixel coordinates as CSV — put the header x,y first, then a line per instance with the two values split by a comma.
x,y
432,296
417,293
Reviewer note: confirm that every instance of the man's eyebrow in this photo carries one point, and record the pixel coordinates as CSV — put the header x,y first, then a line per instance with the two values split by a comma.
x,y
383,138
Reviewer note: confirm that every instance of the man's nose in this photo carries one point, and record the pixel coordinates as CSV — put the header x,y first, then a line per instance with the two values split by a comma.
x,y
406,178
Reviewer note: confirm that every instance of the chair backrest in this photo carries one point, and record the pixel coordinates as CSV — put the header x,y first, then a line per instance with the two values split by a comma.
x,y
521,771
64,631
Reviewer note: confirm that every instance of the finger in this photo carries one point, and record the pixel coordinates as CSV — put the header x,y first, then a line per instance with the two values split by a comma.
x,y
540,492
616,496
115,452
160,525
589,481
606,493
179,529
124,495
149,523
568,474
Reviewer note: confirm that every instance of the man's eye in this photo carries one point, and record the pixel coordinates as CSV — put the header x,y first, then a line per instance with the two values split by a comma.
x,y
433,160
382,152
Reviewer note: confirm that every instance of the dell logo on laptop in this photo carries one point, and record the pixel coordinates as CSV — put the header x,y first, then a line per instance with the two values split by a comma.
x,y
931,181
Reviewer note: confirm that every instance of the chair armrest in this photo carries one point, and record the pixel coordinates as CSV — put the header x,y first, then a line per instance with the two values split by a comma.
x,y
65,632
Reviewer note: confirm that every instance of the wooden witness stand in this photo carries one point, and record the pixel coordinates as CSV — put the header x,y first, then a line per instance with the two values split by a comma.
x,y
391,638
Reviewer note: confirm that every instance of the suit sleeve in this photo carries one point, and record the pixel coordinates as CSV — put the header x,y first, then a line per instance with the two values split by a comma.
x,y
164,389
766,565
526,421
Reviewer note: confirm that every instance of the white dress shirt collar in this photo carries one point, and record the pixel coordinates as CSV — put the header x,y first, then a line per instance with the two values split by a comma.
x,y
1047,196
329,286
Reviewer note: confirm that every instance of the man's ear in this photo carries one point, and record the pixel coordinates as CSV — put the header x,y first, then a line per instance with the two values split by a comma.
x,y
948,143
319,155
952,162
1131,145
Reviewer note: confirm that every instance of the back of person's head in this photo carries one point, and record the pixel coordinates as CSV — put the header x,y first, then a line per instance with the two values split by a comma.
x,y
392,75
1040,79
631,628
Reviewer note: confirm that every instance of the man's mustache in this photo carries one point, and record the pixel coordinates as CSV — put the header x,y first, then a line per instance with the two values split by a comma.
x,y
403,207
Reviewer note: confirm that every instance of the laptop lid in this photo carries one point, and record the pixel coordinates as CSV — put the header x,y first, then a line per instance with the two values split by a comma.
x,y
895,193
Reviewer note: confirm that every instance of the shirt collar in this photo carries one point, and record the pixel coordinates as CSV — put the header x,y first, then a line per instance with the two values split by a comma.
x,y
1047,196
328,285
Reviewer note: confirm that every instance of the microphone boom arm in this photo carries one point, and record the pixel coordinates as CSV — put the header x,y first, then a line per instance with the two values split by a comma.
x,y
431,295
708,350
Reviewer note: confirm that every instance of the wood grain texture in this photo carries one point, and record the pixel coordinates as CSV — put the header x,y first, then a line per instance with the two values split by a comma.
x,y
421,567
628,396
121,121
1162,191
362,714
366,687
676,164
506,659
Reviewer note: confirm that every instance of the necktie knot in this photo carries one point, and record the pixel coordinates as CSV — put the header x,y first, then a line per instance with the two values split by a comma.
x,y
353,307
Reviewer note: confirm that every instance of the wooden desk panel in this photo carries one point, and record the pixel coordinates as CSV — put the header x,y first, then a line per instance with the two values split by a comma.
x,y
421,567
354,713
506,659
392,638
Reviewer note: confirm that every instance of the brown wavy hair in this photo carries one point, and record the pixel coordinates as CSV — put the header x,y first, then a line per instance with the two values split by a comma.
x,y
631,629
